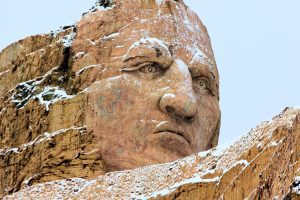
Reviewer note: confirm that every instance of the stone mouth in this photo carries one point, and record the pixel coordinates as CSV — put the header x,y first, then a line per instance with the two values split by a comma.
x,y
178,133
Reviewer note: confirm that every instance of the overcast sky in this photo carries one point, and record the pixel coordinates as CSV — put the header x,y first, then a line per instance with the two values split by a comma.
x,y
256,45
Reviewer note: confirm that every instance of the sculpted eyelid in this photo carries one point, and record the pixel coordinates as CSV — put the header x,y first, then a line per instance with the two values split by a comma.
x,y
140,65
129,69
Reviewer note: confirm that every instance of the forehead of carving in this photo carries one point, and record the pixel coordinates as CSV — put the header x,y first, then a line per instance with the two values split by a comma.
x,y
190,30
169,21
174,22
166,19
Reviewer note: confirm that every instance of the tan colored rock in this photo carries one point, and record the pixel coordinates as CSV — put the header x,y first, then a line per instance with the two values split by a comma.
x,y
131,84
265,164
155,62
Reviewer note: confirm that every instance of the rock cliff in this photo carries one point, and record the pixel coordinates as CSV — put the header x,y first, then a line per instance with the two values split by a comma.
x,y
38,141
264,164
46,82
48,147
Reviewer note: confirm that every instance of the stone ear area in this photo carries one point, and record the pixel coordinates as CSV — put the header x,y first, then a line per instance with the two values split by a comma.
x,y
265,164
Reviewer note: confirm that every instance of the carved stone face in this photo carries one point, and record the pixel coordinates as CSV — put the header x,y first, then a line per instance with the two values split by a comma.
x,y
159,100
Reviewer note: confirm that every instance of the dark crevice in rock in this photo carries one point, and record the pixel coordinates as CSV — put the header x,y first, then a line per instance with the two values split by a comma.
x,y
64,76
100,3
65,63
106,3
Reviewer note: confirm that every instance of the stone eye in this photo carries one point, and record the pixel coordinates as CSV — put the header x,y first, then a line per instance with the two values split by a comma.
x,y
201,84
150,68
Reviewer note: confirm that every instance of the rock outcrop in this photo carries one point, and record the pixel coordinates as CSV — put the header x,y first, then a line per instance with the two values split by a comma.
x,y
38,143
57,89
70,112
265,164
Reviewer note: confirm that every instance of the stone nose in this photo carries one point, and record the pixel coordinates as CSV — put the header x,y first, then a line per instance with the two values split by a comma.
x,y
180,107
181,103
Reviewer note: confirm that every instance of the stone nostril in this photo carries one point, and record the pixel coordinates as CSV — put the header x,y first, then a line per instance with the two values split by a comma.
x,y
189,118
170,110
180,107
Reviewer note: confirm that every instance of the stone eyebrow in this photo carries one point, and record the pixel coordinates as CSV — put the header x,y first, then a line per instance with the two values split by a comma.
x,y
153,43
155,55
202,70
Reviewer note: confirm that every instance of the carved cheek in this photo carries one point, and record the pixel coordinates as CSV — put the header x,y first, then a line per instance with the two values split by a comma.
x,y
208,115
124,95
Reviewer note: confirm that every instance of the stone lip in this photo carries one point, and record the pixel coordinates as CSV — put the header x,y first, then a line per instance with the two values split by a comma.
x,y
264,164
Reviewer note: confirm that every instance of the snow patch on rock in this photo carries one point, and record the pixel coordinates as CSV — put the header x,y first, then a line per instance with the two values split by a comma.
x,y
2,73
79,55
32,90
50,95
79,72
296,185
149,41
68,39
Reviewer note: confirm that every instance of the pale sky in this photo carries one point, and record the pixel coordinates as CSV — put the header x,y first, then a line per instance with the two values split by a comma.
x,y
256,45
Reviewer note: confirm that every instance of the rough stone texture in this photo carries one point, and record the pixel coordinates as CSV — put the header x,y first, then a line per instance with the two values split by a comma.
x,y
85,100
72,106
38,143
265,164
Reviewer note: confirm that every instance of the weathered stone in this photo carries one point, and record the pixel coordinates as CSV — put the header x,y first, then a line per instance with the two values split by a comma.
x,y
131,84
265,164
